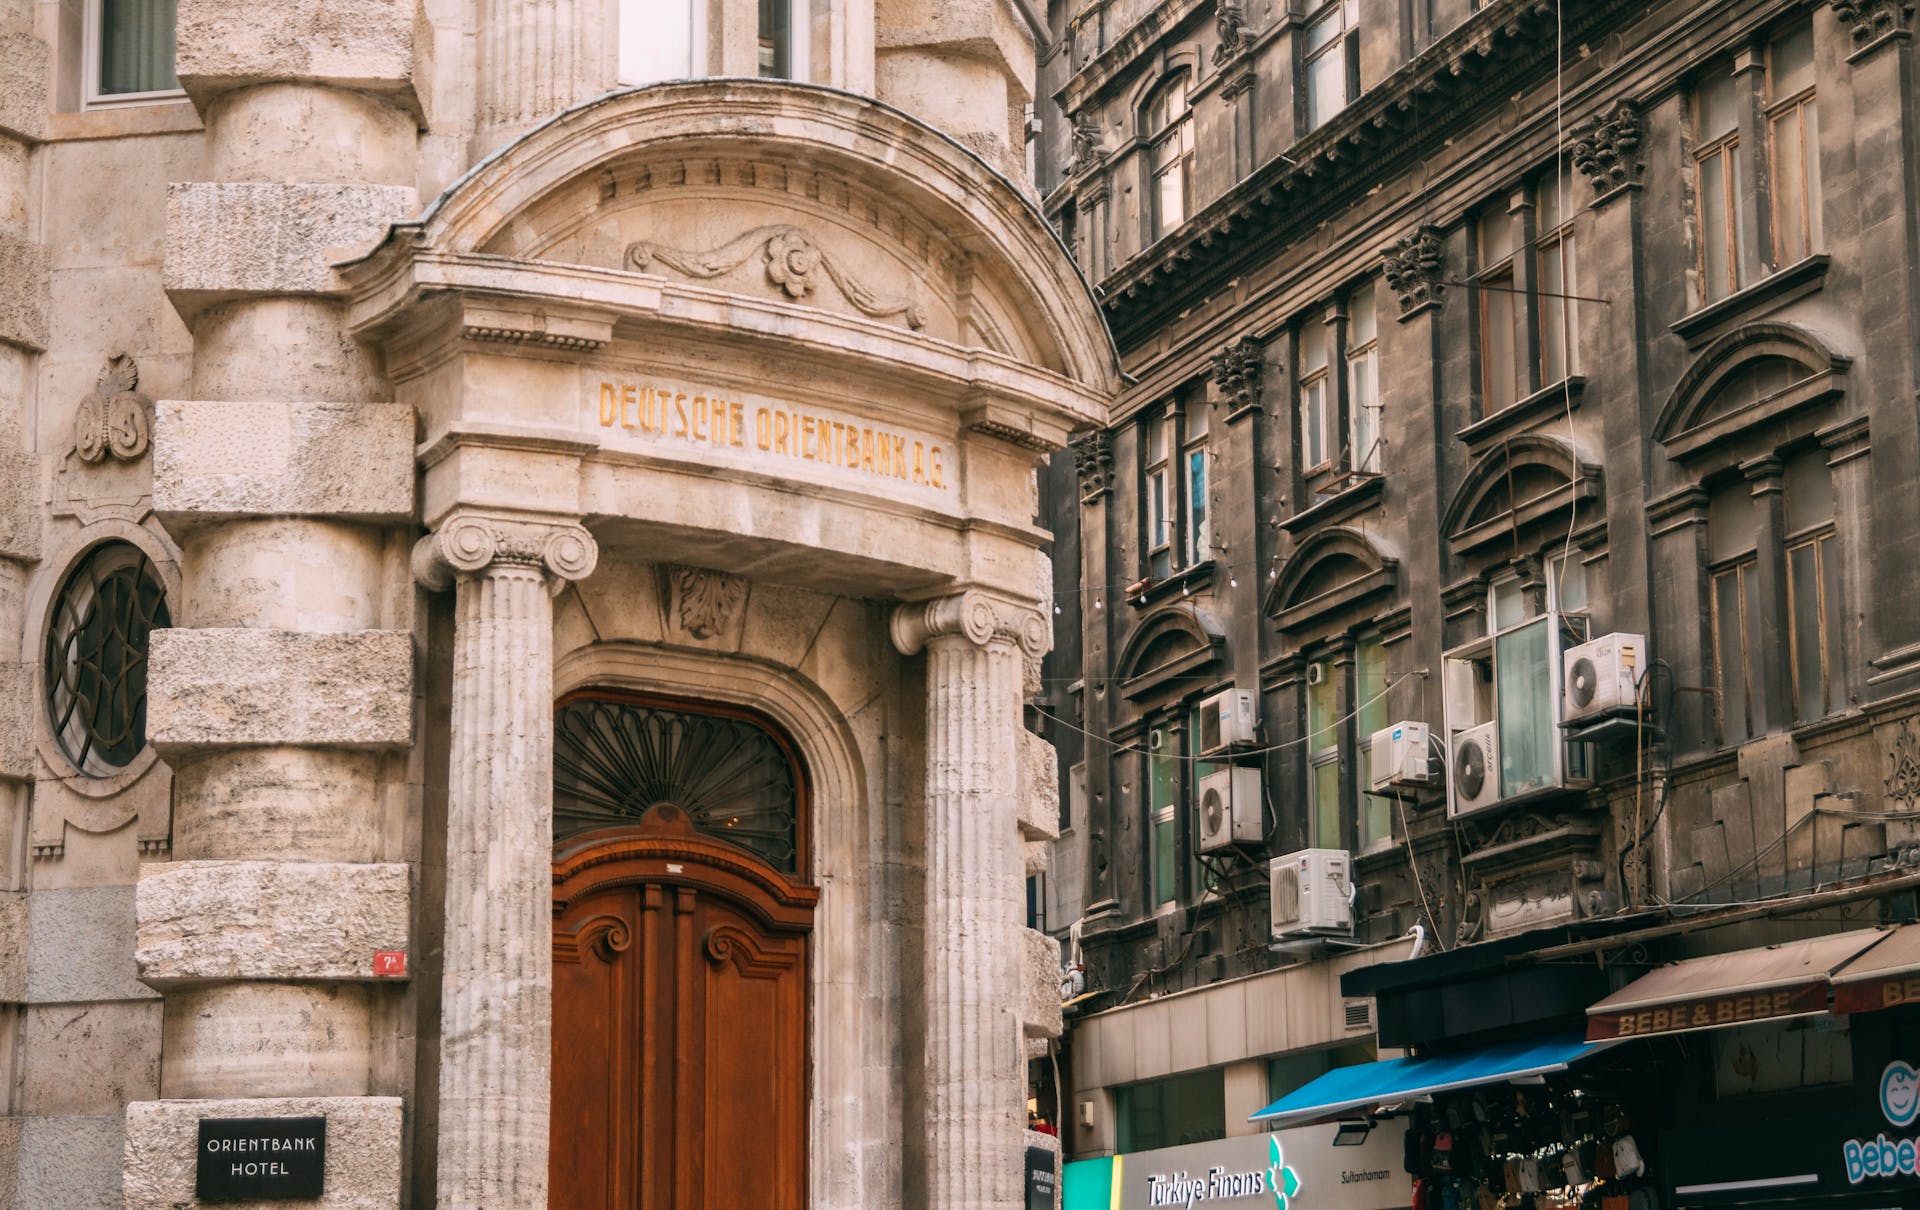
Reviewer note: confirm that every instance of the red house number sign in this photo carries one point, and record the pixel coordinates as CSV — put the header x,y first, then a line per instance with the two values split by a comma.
x,y
390,963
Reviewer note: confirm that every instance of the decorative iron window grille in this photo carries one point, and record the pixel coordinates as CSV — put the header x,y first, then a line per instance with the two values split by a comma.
x,y
613,760
96,657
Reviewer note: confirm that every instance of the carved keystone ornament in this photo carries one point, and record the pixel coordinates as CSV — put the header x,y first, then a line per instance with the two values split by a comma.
x,y
114,421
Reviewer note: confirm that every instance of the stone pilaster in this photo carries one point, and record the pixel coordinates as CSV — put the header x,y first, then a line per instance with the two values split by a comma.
x,y
974,971
497,999
537,59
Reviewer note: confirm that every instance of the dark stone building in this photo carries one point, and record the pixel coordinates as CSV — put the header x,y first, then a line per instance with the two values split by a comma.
x,y
1461,339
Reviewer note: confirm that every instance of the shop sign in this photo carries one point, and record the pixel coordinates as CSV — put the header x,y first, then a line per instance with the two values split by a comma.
x,y
1900,1105
1709,1012
1042,1183
1297,1169
1872,995
261,1159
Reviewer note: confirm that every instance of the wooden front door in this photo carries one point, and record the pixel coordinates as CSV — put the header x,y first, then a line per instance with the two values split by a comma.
x,y
679,1023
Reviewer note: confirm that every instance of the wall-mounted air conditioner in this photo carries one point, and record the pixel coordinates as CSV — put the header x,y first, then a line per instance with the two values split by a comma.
x,y
1599,675
1226,721
1473,768
1311,894
1229,804
1401,758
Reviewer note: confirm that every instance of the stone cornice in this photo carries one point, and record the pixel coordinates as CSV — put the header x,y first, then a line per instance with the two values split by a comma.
x,y
467,544
978,616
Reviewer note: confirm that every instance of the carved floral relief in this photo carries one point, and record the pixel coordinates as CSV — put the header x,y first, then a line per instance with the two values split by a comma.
x,y
794,261
114,421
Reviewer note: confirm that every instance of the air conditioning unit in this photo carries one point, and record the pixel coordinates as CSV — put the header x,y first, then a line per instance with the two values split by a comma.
x,y
1599,675
1311,894
1229,804
1316,673
1226,721
1400,757
1474,767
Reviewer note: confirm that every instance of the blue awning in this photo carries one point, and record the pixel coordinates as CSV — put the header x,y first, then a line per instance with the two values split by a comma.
x,y
1365,1085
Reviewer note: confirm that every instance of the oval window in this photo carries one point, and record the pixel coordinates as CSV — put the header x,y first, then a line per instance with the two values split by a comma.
x,y
96,658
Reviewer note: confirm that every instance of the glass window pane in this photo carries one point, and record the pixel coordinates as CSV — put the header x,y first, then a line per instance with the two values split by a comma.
x,y
1325,786
656,40
1323,31
1313,346
1553,315
1805,634
1172,194
1197,503
1313,423
1156,433
1524,690
1370,688
1362,316
1789,190
1810,137
1496,236
1729,619
1157,509
1836,618
1809,490
136,46
1713,226
1172,1112
776,41
1165,861
1738,265
1730,521
1570,584
1498,316
1320,712
1363,398
1509,604
1791,66
1326,87
1718,105
1163,772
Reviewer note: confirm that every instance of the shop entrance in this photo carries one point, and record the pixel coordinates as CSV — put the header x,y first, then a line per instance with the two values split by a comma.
x,y
680,950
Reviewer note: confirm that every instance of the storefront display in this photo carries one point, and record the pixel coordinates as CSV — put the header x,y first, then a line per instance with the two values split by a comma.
x,y
1531,1147
1324,1167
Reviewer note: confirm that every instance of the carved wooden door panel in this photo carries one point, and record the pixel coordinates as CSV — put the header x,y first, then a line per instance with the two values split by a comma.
x,y
679,1033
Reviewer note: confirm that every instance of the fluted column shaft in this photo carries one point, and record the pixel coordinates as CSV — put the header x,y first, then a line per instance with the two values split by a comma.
x,y
974,1059
497,984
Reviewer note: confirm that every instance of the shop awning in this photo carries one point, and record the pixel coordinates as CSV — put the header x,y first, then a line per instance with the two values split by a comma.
x,y
1884,976
1391,1081
1769,983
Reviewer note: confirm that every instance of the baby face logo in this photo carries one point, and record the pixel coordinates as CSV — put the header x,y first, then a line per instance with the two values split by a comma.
x,y
1284,1182
1900,1093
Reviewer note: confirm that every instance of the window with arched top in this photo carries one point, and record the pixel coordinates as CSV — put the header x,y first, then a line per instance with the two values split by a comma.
x,y
617,756
1167,121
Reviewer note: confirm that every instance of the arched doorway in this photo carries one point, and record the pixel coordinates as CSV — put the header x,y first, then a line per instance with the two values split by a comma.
x,y
679,958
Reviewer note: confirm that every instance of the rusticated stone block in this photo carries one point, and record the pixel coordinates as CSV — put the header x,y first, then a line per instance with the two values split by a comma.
x,y
367,45
25,302
23,85
217,460
16,721
19,503
196,921
231,240
1041,972
247,688
363,1148
13,947
1039,788
80,945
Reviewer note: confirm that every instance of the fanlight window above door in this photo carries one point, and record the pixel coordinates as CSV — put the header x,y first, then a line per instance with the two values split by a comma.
x,y
614,759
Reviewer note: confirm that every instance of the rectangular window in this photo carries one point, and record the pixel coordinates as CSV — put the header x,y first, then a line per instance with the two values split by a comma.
x,y
1199,538
1363,381
1721,232
1171,1112
1370,715
1323,760
1503,343
1315,404
1813,587
1330,45
1733,611
1159,501
1170,127
657,39
1555,256
776,39
1163,797
132,53
1793,125
1523,685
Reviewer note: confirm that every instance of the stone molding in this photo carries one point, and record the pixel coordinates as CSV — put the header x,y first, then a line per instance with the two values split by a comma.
x,y
27,303
1607,152
205,921
1093,463
229,688
1416,268
234,239
466,545
1872,21
363,1167
371,46
977,616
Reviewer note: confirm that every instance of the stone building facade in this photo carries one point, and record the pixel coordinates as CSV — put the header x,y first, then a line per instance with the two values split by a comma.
x,y
517,583
1459,335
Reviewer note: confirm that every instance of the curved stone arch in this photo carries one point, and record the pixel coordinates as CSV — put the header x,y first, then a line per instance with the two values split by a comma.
x,y
1302,595
807,123
1530,459
1166,647
1689,422
841,808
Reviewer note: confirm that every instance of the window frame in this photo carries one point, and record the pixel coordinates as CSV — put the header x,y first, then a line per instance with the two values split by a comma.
x,y
1498,284
1801,105
92,47
1354,355
1322,379
1558,243
1159,511
1345,43
1175,132
1725,147
1196,519
626,72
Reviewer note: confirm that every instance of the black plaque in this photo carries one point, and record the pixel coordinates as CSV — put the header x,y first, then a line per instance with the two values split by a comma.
x,y
261,1159
1041,1180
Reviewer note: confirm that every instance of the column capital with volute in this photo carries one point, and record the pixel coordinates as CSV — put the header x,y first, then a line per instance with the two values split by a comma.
x,y
468,543
977,615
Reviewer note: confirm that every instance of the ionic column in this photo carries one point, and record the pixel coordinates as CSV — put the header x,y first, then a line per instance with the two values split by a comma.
x,y
496,1013
974,966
